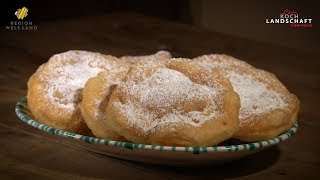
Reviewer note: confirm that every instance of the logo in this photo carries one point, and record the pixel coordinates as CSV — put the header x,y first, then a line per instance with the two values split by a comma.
x,y
21,13
292,18
21,25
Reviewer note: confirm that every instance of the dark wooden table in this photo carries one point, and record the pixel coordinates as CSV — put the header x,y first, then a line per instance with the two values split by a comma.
x,y
29,153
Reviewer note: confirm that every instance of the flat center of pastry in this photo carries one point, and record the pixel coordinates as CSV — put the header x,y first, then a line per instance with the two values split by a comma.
x,y
67,74
168,88
64,89
255,96
168,96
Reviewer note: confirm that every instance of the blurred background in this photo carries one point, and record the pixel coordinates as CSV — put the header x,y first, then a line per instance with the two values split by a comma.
x,y
244,18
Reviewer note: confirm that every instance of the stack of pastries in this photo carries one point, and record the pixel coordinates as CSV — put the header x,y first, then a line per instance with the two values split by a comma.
x,y
160,100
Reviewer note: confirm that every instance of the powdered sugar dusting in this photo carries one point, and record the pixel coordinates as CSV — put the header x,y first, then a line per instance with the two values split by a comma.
x,y
67,74
168,96
255,97
160,55
219,61
64,89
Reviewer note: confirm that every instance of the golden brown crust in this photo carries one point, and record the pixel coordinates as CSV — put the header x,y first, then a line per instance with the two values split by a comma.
x,y
96,95
42,109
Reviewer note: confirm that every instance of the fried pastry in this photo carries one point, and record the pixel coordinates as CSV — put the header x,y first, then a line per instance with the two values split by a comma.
x,y
173,102
54,90
267,107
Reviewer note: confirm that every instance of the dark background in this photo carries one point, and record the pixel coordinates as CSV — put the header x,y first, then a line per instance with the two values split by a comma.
x,y
238,18
178,10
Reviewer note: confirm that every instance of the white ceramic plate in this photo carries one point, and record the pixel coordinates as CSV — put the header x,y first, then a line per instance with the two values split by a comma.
x,y
172,155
